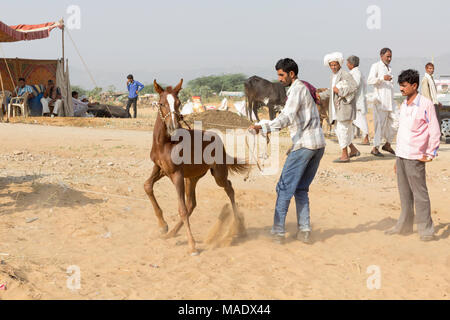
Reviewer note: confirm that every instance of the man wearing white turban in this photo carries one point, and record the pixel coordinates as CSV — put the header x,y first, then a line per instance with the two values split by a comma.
x,y
384,111
342,107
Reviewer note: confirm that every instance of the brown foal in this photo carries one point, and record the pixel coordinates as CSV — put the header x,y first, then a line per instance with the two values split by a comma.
x,y
186,174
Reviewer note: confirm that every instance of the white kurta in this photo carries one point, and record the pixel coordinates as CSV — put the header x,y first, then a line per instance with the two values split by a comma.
x,y
382,88
384,112
333,108
79,108
343,129
46,109
360,97
344,133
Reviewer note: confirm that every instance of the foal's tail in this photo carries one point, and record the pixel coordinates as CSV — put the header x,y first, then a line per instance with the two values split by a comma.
x,y
238,166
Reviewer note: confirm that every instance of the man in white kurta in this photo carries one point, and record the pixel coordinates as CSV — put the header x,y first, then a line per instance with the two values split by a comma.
x,y
342,109
52,97
384,112
360,97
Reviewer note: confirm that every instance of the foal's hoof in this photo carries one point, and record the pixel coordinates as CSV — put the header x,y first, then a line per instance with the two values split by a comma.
x,y
166,236
195,253
164,230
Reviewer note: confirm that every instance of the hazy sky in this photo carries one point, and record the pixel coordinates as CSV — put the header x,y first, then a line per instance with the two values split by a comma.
x,y
158,36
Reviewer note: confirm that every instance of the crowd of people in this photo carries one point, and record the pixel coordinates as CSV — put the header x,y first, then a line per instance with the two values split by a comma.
x,y
414,125
52,99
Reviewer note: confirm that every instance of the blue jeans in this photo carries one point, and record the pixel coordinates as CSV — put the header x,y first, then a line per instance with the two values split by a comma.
x,y
298,172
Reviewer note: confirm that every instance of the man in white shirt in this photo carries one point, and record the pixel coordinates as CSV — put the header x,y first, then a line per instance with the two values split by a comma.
x,y
361,107
80,106
384,112
300,114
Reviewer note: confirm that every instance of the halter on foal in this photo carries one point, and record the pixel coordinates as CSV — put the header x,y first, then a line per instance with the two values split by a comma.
x,y
185,175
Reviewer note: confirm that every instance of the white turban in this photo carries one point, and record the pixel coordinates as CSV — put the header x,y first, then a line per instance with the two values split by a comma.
x,y
334,56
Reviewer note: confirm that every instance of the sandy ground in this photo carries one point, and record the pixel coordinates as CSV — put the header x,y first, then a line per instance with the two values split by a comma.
x,y
72,196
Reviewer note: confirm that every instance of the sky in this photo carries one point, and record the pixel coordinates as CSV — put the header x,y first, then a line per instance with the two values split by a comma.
x,y
169,40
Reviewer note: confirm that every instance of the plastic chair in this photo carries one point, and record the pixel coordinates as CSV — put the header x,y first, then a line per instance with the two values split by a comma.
x,y
4,95
19,103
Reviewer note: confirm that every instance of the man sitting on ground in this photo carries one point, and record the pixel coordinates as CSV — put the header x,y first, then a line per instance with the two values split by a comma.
x,y
80,106
52,97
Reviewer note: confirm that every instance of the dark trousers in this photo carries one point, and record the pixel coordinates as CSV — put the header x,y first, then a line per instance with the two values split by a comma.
x,y
436,107
134,102
412,187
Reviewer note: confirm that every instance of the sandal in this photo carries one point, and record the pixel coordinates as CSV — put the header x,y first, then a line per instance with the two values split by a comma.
x,y
377,154
357,154
390,150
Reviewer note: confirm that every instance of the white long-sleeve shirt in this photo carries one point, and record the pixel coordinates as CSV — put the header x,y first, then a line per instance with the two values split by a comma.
x,y
360,96
383,89
301,115
79,106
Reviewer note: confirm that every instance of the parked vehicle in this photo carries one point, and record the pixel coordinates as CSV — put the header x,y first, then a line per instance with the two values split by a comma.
x,y
445,117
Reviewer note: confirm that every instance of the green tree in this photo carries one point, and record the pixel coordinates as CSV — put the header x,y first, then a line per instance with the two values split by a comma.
x,y
205,92
185,94
217,83
111,89
95,93
150,88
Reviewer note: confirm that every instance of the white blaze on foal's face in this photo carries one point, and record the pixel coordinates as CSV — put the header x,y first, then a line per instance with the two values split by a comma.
x,y
171,101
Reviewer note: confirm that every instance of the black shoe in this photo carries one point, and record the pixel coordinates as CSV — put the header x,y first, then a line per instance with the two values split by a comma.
x,y
427,238
304,236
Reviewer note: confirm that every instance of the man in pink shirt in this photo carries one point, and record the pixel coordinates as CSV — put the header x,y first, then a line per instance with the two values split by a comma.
x,y
418,139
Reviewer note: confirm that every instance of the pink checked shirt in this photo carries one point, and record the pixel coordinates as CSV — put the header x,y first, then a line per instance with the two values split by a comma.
x,y
419,131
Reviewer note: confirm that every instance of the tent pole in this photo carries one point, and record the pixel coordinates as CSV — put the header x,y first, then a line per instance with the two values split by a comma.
x,y
62,35
3,99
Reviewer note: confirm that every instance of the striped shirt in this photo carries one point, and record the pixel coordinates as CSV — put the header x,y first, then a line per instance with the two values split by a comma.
x,y
419,131
21,91
301,115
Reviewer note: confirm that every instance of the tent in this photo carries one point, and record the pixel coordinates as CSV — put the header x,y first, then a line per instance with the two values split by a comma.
x,y
37,72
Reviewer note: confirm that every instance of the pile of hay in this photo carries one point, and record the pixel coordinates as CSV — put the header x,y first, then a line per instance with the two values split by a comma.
x,y
215,119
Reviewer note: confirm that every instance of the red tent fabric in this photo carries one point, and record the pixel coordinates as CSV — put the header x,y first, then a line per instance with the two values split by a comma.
x,y
23,32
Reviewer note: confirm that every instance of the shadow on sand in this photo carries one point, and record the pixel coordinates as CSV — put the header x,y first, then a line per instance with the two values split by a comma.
x,y
25,193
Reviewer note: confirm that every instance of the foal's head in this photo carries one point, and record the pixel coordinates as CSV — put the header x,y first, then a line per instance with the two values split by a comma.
x,y
169,106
